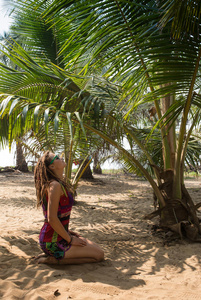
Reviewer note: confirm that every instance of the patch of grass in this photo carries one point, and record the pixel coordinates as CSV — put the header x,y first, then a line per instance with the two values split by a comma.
x,y
192,175
112,171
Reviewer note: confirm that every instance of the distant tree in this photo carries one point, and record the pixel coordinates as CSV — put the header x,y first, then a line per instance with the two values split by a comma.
x,y
96,164
21,164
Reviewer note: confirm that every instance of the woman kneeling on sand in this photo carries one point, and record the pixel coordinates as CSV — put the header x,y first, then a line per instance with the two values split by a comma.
x,y
60,245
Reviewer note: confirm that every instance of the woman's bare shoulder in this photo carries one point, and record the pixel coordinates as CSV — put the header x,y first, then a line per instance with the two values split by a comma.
x,y
55,185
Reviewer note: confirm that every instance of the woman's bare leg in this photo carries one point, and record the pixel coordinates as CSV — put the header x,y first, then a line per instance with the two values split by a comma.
x,y
77,255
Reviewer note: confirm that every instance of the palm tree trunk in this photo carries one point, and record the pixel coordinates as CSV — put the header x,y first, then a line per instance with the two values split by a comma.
x,y
169,158
21,164
96,167
87,173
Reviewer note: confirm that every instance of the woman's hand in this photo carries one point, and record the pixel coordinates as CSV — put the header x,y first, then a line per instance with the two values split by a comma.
x,y
77,241
74,233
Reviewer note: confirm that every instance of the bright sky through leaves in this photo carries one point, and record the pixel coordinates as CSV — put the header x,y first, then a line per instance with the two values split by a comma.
x,y
6,157
5,20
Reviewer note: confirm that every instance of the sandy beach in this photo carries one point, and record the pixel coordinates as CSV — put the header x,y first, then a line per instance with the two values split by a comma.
x,y
139,263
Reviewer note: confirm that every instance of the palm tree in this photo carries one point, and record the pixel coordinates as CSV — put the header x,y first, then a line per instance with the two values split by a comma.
x,y
21,164
141,47
153,48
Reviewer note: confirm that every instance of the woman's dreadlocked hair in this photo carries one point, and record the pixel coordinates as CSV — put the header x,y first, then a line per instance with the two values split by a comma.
x,y
43,176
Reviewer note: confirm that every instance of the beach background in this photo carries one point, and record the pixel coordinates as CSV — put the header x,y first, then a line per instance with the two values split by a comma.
x,y
140,263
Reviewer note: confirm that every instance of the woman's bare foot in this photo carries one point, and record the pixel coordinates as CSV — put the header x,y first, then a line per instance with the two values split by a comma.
x,y
43,259
51,260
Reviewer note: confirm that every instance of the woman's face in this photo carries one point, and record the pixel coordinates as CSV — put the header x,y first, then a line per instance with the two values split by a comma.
x,y
56,162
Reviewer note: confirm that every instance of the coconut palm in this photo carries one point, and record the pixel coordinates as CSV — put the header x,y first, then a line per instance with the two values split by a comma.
x,y
153,48
144,47
21,163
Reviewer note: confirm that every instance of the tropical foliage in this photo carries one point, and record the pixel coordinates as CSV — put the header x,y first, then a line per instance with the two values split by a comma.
x,y
120,70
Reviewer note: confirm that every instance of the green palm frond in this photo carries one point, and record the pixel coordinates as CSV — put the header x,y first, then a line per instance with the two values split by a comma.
x,y
185,15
